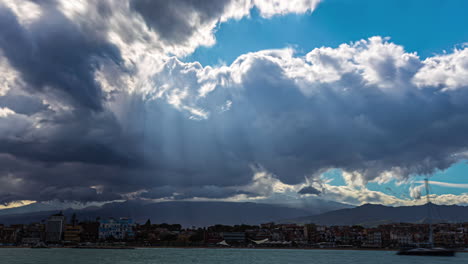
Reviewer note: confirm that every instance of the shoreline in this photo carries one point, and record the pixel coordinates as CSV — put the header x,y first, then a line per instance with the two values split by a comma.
x,y
207,247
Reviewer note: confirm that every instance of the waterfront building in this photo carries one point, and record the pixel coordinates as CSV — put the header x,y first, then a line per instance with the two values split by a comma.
x,y
212,238
72,233
374,238
8,235
401,239
55,226
32,234
233,237
119,229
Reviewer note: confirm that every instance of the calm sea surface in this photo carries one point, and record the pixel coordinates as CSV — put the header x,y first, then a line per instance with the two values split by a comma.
x,y
209,256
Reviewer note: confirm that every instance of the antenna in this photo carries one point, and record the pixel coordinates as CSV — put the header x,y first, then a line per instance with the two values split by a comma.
x,y
426,184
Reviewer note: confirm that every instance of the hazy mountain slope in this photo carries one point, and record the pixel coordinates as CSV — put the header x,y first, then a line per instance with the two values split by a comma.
x,y
371,215
185,213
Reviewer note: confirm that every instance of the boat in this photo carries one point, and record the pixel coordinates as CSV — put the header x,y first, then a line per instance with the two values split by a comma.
x,y
443,252
40,245
430,250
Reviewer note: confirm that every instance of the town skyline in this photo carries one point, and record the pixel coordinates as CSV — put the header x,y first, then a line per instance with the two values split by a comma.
x,y
125,233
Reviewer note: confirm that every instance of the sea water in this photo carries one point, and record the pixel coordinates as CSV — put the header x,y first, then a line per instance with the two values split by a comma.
x,y
212,256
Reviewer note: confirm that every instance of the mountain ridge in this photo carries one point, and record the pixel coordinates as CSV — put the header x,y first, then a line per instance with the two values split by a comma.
x,y
373,214
180,212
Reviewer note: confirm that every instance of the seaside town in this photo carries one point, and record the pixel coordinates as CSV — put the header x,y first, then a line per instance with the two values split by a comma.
x,y
59,231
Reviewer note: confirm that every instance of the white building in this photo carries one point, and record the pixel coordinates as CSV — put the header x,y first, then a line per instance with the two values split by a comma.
x,y
54,228
119,229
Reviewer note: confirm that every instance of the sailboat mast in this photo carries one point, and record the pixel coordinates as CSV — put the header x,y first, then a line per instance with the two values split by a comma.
x,y
431,240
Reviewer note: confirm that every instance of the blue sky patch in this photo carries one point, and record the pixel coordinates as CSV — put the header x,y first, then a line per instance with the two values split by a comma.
x,y
425,27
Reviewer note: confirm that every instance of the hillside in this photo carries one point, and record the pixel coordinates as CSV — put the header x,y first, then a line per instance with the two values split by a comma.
x,y
184,213
372,215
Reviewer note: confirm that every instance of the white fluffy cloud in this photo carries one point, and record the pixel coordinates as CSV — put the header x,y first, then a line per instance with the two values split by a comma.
x,y
368,91
448,71
265,187
270,8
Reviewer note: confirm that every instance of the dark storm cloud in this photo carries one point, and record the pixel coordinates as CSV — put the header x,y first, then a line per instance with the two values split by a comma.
x,y
64,151
174,20
363,129
271,123
82,194
22,104
159,192
77,136
348,123
309,190
209,191
26,180
183,192
55,53
290,116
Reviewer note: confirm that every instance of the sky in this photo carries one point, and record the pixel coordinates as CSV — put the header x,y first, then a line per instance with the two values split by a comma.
x,y
283,102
